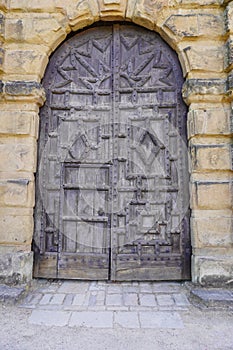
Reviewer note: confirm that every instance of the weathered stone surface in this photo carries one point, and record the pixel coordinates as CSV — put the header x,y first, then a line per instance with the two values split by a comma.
x,y
82,13
212,195
203,56
11,294
201,2
22,91
212,228
29,61
112,9
4,4
18,156
17,192
211,157
199,90
215,270
213,297
21,87
16,229
16,268
195,24
18,123
2,25
35,6
228,57
229,17
39,28
214,121
145,12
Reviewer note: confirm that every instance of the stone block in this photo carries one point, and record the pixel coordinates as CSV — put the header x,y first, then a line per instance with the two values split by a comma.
x,y
212,228
18,123
144,12
214,121
228,58
37,28
204,56
24,60
82,13
16,229
211,195
112,9
4,4
20,92
200,2
211,157
49,318
35,6
17,192
18,156
126,319
2,24
229,17
204,90
190,25
215,270
16,268
92,319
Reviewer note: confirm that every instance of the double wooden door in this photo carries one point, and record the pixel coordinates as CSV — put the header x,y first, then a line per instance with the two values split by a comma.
x,y
112,184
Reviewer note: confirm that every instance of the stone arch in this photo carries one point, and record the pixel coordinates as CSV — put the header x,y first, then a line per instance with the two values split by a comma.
x,y
156,15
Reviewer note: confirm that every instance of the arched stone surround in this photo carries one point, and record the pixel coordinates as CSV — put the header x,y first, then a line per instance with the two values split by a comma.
x,y
200,31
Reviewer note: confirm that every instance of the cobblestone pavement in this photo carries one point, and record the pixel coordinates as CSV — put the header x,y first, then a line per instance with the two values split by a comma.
x,y
105,305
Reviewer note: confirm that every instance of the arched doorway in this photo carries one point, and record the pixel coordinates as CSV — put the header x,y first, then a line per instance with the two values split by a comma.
x,y
112,186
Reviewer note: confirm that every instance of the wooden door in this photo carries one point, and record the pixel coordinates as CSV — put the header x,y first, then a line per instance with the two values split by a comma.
x,y
112,186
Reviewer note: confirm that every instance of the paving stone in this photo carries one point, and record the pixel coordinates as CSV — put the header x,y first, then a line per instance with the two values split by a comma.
x,y
92,319
114,300
147,300
181,300
49,318
164,300
130,299
97,308
45,299
146,287
143,308
35,298
114,289
95,286
100,298
79,299
126,319
131,289
73,287
117,308
160,319
68,299
92,300
49,288
57,299
166,287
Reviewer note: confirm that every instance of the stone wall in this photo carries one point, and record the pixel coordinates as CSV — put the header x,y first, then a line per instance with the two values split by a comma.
x,y
201,32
